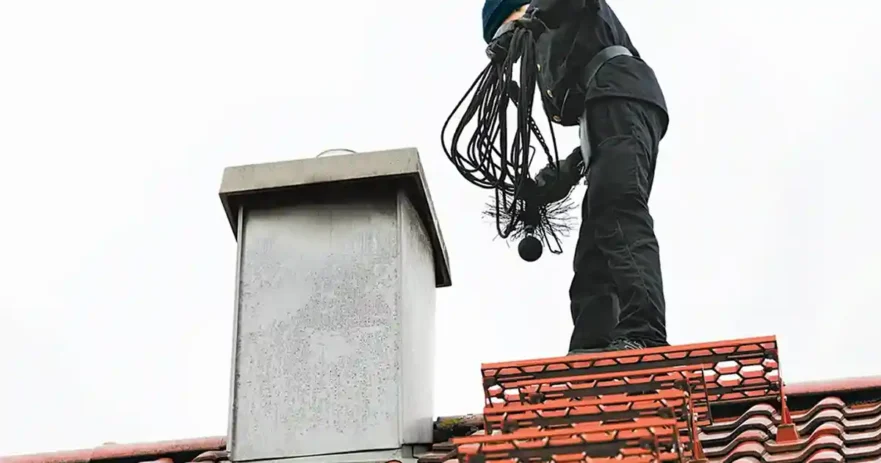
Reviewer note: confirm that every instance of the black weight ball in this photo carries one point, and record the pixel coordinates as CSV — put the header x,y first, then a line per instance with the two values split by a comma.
x,y
530,249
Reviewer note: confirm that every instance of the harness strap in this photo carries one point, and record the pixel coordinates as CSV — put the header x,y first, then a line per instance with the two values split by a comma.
x,y
593,66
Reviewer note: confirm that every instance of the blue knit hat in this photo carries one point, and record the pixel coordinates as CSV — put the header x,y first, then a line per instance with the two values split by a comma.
x,y
494,14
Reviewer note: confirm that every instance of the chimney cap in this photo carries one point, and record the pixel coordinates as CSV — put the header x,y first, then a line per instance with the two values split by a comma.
x,y
312,178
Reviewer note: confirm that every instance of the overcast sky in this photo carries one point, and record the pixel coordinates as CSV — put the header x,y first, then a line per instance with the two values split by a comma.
x,y
117,118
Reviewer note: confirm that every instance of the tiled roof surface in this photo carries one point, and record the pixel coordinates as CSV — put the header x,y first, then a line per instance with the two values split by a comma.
x,y
837,421
842,424
834,421
831,431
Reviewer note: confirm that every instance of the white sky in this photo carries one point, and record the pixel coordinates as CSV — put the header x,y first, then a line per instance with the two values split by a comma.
x,y
117,118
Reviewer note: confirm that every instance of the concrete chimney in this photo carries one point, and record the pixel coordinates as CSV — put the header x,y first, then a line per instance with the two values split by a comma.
x,y
337,263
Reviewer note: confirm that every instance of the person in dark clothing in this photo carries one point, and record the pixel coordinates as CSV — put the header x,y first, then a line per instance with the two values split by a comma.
x,y
616,295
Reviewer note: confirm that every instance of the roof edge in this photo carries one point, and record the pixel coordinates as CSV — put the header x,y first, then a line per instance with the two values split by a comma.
x,y
838,386
113,451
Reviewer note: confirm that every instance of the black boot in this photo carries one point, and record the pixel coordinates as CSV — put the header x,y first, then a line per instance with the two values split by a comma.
x,y
625,344
587,351
616,345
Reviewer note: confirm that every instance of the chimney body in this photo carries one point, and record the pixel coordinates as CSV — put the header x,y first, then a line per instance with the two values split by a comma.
x,y
338,262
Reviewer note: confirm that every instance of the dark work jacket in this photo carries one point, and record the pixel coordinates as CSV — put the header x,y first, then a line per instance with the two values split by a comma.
x,y
622,76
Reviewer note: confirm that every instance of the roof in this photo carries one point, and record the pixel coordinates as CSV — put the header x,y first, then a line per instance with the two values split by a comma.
x,y
722,401
836,421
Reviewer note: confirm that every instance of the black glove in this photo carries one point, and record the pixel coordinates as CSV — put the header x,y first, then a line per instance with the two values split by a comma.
x,y
497,48
552,184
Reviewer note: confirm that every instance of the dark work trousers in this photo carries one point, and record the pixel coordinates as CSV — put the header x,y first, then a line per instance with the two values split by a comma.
x,y
617,291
